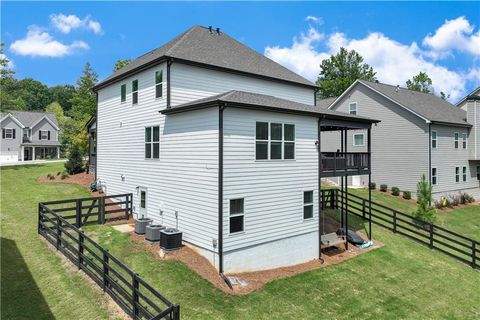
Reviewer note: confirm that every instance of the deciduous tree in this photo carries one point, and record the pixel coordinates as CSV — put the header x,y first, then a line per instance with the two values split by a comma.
x,y
421,82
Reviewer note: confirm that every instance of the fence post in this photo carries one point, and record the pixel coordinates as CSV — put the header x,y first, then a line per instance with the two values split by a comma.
x,y
105,268
363,208
394,221
101,210
135,285
474,255
128,204
39,218
176,312
431,235
80,249
78,213
59,233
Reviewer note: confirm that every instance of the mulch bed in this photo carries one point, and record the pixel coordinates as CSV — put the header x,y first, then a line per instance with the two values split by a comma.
x,y
199,264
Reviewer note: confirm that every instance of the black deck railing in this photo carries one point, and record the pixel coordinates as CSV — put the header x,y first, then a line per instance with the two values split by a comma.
x,y
455,245
133,294
341,163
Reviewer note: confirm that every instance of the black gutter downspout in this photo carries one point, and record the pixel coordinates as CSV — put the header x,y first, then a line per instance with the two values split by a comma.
x,y
220,188
96,135
320,198
315,97
369,138
169,63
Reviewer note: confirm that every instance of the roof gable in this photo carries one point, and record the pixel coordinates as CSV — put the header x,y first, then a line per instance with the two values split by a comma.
x,y
202,46
426,106
31,118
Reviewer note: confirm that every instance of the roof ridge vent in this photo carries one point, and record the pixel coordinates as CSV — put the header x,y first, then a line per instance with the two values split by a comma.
x,y
210,29
397,88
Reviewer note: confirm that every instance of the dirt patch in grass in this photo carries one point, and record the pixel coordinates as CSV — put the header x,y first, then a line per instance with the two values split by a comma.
x,y
254,280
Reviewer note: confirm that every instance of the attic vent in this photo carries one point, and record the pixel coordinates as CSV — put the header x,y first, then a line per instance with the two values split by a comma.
x,y
216,31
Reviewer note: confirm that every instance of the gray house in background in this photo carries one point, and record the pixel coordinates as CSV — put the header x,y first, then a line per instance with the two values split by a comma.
x,y
28,135
418,134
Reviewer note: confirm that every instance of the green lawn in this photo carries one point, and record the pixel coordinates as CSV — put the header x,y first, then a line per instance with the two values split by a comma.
x,y
400,280
465,221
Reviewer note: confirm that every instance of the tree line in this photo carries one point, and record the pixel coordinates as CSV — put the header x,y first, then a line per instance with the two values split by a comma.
x,y
74,105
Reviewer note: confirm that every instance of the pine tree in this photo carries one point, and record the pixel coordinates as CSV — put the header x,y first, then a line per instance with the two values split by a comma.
x,y
74,164
425,211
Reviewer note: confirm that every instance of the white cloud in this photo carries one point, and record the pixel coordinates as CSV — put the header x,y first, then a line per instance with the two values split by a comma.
x,y
301,57
314,19
393,61
66,23
474,75
39,43
457,34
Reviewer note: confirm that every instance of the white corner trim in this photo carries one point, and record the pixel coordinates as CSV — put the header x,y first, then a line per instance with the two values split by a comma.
x,y
48,120
9,115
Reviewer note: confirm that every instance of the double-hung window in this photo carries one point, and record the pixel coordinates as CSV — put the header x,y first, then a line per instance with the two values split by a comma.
x,y
237,216
352,108
455,140
434,139
152,142
359,140
158,84
135,91
464,173
307,204
44,135
457,174
8,133
464,140
274,141
123,93
434,176
143,199
478,172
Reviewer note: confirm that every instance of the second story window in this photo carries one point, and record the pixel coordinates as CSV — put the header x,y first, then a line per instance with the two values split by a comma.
x,y
455,140
274,141
158,84
44,135
464,140
123,93
352,108
152,142
135,91
8,133
434,139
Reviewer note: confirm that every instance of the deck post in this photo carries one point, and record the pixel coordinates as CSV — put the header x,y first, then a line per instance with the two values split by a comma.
x,y
78,213
135,300
369,136
80,249
346,189
474,255
321,195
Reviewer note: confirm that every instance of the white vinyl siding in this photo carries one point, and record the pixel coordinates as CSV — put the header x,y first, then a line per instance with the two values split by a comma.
x,y
190,83
184,179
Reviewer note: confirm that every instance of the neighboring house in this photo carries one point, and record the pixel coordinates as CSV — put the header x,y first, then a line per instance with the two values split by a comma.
x,y
91,127
217,140
29,135
419,134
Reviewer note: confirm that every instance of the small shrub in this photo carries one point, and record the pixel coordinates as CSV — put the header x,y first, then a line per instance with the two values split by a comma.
x,y
447,203
59,173
395,191
438,204
424,212
469,198
407,195
454,200
64,175
373,186
50,176
75,162
383,187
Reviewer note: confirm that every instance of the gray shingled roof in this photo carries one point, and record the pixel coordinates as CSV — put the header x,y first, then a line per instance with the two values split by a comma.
x,y
28,118
426,105
263,102
198,45
325,103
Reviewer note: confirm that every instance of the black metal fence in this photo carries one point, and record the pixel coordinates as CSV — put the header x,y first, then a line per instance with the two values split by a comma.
x,y
457,246
135,296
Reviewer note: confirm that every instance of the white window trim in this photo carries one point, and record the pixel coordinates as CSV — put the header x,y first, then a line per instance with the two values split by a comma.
x,y
436,176
465,139
456,140
308,204
436,139
363,139
350,107
11,133
459,174
270,140
41,135
151,142
464,174
155,84
236,215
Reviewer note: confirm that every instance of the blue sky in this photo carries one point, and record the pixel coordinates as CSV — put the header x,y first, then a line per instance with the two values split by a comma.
x,y
51,41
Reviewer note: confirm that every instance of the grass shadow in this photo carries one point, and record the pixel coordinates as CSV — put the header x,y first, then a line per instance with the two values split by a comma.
x,y
20,297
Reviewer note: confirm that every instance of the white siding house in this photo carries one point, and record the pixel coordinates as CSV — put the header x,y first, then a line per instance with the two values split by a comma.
x,y
180,124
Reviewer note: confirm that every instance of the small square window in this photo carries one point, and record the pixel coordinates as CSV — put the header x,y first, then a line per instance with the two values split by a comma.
x,y
275,150
261,150
352,108
359,140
